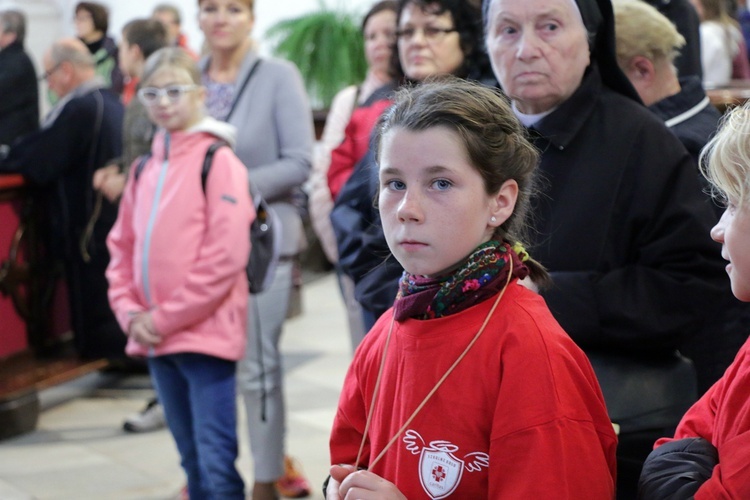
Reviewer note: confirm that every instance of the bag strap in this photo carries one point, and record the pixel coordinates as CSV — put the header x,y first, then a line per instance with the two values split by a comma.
x,y
142,160
241,88
208,160
95,211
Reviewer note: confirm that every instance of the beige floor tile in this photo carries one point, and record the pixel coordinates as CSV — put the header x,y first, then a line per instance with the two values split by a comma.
x,y
79,451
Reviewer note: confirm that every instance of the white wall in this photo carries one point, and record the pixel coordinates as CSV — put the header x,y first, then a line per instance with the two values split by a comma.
x,y
44,29
48,20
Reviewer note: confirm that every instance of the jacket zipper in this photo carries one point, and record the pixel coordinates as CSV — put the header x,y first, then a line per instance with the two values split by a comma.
x,y
152,222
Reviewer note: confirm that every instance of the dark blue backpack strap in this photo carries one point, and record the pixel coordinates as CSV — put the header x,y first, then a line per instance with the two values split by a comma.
x,y
208,160
142,160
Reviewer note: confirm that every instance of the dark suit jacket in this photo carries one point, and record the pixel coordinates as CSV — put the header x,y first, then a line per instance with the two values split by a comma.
x,y
19,94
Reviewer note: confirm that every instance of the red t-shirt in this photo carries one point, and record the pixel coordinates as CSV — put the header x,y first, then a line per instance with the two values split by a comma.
x,y
722,416
522,415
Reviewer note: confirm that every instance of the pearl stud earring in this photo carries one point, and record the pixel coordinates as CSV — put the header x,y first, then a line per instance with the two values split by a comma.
x,y
493,219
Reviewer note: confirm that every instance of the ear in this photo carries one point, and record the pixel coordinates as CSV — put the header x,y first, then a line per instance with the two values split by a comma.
x,y
503,203
642,69
6,38
67,70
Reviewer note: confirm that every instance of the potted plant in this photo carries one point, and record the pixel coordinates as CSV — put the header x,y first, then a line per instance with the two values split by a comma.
x,y
327,47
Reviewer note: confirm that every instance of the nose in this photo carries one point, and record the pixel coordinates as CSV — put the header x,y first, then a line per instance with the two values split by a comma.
x,y
221,15
528,46
418,38
383,40
409,208
717,232
162,99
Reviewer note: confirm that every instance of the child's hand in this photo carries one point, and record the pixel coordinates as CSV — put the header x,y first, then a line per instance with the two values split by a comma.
x,y
110,181
338,474
143,331
349,483
101,174
113,186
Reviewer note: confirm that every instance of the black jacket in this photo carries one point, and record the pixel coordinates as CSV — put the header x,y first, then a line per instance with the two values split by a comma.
x,y
689,115
59,162
622,225
363,252
677,469
19,94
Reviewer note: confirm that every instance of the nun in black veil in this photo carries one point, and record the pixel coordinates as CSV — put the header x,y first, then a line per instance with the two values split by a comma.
x,y
622,225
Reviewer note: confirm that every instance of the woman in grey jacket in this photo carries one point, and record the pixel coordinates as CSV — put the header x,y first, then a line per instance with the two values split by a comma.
x,y
265,99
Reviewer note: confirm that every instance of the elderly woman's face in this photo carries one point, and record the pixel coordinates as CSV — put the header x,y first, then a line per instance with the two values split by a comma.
x,y
539,51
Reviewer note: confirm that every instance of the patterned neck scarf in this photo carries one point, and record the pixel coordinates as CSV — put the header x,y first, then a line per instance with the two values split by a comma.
x,y
482,275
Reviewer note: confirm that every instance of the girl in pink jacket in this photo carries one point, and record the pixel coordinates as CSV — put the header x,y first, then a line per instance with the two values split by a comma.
x,y
177,280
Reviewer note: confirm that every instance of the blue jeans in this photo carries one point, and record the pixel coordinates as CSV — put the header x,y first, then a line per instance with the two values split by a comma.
x,y
199,398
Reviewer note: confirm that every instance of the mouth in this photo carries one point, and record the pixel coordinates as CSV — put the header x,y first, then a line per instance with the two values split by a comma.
x,y
412,245
529,75
417,59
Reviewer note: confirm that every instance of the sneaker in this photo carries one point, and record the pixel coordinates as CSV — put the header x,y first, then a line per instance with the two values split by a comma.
x,y
151,418
292,484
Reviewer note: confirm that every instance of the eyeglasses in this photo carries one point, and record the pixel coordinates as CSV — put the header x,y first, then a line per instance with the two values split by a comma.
x,y
44,76
430,33
153,95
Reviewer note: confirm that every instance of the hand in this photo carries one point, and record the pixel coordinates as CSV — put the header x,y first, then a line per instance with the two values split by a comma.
x,y
349,484
110,181
338,474
143,331
101,174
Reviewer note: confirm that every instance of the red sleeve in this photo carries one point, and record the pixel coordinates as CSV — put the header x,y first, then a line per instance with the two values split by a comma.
x,y
349,423
551,437
562,458
731,477
354,146
343,159
699,419
722,416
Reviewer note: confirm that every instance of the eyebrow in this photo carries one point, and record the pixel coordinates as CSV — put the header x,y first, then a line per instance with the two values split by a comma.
x,y
555,12
166,85
436,169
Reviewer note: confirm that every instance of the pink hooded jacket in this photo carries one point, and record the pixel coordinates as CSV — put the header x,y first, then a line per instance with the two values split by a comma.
x,y
181,253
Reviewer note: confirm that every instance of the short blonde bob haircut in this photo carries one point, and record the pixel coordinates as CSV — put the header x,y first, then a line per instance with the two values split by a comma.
x,y
641,30
725,161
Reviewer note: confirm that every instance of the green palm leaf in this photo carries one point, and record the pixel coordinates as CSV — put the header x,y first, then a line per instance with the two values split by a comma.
x,y
327,47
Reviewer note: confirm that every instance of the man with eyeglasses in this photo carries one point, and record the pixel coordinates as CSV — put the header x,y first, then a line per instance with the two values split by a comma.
x,y
19,105
81,132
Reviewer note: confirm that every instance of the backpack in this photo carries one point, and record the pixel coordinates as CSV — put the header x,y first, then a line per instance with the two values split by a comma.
x,y
265,230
